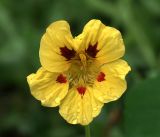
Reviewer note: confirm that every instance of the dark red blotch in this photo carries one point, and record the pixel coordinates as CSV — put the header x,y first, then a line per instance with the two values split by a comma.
x,y
92,50
101,77
81,90
61,79
67,53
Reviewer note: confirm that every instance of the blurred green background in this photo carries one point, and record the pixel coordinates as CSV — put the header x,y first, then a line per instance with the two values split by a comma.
x,y
23,22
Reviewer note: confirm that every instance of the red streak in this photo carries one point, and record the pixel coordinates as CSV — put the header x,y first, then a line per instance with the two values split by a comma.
x,y
81,90
92,50
67,53
101,77
61,79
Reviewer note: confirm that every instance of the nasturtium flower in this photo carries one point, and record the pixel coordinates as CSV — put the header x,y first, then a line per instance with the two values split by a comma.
x,y
80,74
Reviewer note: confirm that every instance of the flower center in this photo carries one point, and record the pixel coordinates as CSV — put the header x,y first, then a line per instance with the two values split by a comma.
x,y
83,59
83,71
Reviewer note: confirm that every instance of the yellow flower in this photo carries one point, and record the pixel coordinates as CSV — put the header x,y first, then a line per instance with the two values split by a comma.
x,y
79,74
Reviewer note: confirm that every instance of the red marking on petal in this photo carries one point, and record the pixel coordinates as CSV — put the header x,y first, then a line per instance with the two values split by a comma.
x,y
92,50
101,77
81,90
67,53
61,79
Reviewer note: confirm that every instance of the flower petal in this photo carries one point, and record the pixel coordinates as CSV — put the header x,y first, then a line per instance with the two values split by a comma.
x,y
118,68
78,109
105,42
48,87
110,83
56,47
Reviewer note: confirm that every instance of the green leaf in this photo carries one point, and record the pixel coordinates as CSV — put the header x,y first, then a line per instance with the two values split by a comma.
x,y
142,109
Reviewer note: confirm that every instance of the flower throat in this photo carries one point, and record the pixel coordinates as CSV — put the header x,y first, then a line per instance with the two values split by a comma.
x,y
83,70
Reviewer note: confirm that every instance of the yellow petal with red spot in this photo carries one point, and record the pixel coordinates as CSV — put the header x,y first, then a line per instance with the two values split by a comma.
x,y
57,47
80,109
45,87
111,85
92,30
106,41
118,68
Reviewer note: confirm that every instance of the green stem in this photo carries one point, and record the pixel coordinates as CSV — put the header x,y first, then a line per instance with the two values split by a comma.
x,y
87,131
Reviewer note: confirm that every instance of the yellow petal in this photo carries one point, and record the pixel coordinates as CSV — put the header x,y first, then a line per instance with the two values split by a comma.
x,y
57,36
111,46
78,40
76,109
44,87
114,84
91,32
109,41
118,68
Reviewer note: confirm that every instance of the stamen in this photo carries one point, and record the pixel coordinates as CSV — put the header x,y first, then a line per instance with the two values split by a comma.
x,y
81,90
67,53
83,59
101,77
61,79
92,50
